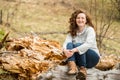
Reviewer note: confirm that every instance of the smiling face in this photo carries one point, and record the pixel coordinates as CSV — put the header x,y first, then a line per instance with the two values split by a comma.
x,y
78,20
81,20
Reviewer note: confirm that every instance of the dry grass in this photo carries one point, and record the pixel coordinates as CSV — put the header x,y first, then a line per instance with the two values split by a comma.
x,y
46,16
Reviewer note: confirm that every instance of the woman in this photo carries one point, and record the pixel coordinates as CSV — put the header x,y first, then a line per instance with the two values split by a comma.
x,y
80,45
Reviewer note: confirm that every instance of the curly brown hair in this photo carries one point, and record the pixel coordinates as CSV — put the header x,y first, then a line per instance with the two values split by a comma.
x,y
73,26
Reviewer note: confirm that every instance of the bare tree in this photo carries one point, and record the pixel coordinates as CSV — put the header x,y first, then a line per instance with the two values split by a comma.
x,y
104,24
1,17
116,4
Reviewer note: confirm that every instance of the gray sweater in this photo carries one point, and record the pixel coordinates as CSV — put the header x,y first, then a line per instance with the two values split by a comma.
x,y
87,38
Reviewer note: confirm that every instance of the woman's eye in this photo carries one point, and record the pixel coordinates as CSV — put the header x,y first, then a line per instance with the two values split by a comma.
x,y
83,18
78,17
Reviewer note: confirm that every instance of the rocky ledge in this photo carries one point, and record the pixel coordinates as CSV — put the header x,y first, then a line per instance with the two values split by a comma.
x,y
59,73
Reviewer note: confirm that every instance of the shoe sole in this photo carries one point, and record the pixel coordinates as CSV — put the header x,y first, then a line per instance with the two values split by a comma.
x,y
80,76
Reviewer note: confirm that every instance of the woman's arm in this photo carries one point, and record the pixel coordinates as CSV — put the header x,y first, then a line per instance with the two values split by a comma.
x,y
90,41
67,40
66,51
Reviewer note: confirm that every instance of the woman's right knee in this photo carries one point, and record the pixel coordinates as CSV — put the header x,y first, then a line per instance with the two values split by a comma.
x,y
77,44
70,45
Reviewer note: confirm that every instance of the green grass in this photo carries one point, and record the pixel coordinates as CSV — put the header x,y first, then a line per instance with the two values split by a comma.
x,y
3,71
2,33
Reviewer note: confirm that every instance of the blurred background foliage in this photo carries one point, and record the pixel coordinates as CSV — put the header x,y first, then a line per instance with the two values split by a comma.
x,y
2,33
24,17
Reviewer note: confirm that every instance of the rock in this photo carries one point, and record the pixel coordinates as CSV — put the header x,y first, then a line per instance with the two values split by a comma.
x,y
59,73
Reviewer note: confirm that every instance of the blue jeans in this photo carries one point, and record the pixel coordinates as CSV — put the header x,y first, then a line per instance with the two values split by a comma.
x,y
89,59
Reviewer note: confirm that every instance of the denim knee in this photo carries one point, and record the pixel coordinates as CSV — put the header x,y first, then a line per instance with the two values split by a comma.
x,y
77,44
70,45
92,58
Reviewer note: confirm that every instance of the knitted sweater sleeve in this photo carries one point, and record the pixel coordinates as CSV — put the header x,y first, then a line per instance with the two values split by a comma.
x,y
89,42
67,40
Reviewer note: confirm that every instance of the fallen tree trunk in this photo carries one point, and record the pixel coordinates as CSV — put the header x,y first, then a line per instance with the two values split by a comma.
x,y
108,62
34,56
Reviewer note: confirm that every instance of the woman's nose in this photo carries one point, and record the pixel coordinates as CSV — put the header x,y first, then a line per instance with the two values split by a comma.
x,y
80,19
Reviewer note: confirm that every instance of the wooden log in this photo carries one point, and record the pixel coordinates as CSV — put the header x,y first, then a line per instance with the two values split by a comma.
x,y
35,56
107,62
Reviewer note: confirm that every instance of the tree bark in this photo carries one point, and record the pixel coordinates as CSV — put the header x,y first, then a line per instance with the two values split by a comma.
x,y
1,17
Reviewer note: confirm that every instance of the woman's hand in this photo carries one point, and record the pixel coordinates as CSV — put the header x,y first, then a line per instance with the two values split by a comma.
x,y
68,53
74,50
